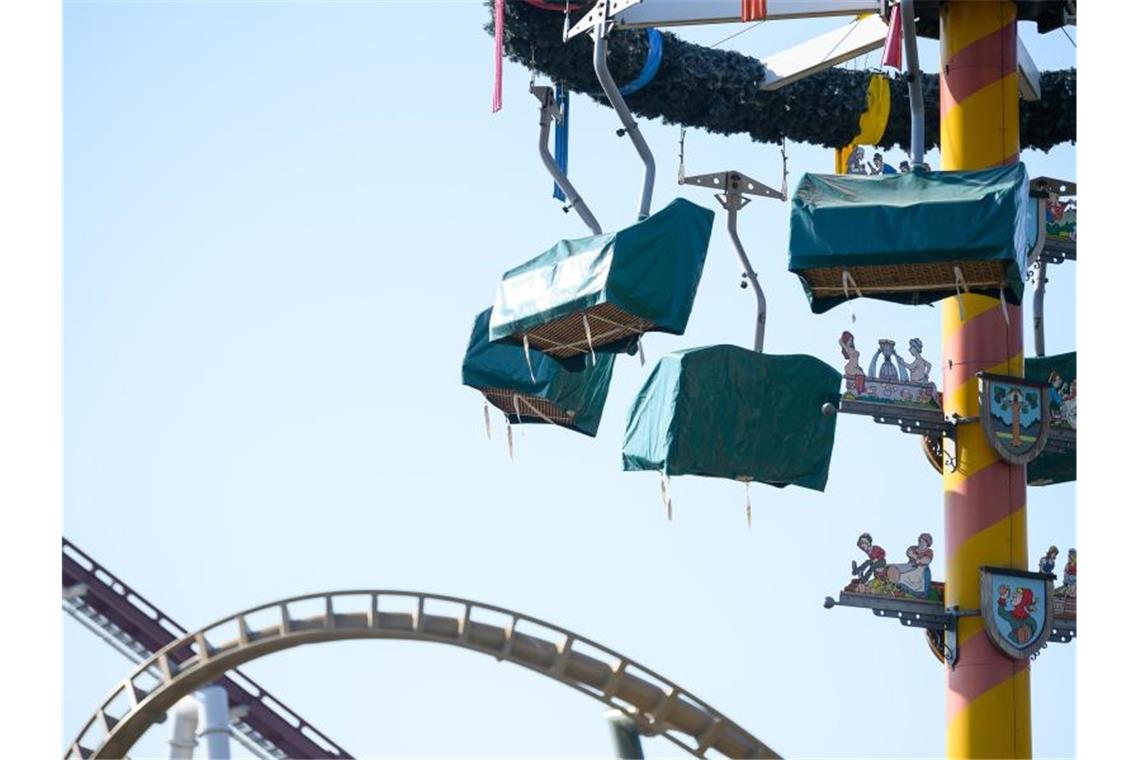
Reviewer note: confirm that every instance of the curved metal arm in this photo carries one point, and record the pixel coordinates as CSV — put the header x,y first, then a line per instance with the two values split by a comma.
x,y
618,102
914,86
750,274
545,97
1039,281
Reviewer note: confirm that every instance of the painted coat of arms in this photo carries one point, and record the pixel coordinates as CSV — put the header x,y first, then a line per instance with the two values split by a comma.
x,y
1014,416
1017,607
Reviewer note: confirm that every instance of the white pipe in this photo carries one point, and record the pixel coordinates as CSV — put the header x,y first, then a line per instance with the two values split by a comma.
x,y
184,728
914,79
750,274
215,706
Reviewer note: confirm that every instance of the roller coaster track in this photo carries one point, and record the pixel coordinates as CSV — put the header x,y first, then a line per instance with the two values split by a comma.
x,y
136,628
656,705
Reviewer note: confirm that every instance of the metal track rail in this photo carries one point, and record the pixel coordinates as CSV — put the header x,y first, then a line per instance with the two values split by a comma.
x,y
656,705
138,629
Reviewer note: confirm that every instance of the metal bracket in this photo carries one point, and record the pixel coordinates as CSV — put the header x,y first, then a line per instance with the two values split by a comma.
x,y
909,419
941,622
734,185
1064,630
1061,440
604,10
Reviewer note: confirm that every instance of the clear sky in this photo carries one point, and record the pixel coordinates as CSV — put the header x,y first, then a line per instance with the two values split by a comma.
x,y
281,220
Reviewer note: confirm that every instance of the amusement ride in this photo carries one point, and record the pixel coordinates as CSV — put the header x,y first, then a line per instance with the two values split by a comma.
x,y
976,236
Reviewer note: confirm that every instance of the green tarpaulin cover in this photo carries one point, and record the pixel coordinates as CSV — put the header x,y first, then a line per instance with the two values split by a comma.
x,y
1051,466
900,236
649,271
727,412
570,399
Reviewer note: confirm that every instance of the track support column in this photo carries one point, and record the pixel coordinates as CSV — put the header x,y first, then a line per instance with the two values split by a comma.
x,y
987,701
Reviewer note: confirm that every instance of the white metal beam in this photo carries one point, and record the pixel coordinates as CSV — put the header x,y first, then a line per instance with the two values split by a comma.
x,y
1028,78
683,12
660,13
823,52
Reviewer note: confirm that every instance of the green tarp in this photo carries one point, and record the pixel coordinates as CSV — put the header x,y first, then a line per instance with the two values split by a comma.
x,y
1051,466
650,271
900,236
570,399
727,412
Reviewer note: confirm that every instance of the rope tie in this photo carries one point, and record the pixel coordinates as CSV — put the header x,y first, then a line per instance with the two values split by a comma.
x,y
589,339
487,419
665,496
1004,310
959,286
748,502
526,353
534,409
510,441
848,278
640,351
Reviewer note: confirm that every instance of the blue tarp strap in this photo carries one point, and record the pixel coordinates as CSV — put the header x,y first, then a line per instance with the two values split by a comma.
x,y
652,63
562,135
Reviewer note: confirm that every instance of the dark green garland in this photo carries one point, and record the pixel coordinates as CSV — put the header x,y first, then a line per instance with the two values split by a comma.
x,y
718,90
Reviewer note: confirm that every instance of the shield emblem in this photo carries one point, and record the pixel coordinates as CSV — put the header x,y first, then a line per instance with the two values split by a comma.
x,y
1017,607
1014,416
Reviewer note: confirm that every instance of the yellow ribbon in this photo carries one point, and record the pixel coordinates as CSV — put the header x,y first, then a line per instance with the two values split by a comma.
x,y
872,122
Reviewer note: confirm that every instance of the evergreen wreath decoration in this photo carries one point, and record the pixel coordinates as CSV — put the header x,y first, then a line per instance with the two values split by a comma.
x,y
719,90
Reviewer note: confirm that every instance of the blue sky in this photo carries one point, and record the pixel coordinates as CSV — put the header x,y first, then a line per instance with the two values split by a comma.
x,y
280,221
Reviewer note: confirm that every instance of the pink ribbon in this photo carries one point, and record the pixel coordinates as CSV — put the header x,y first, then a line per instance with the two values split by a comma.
x,y
892,50
497,97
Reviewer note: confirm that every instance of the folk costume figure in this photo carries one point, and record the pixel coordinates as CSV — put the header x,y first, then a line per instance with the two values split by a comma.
x,y
919,369
1070,580
852,370
913,577
1022,625
1056,393
1049,561
875,566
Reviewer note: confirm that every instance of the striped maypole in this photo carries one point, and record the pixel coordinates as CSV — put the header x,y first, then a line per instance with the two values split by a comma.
x,y
987,701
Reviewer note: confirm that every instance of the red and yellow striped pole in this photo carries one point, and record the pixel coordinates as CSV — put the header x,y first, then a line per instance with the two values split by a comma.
x,y
987,705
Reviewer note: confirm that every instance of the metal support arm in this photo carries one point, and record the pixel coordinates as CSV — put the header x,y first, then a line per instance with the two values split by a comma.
x,y
733,205
601,69
914,86
734,187
548,110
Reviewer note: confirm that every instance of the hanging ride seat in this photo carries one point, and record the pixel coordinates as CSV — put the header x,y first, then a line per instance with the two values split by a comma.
x,y
555,396
1058,462
600,293
912,238
727,412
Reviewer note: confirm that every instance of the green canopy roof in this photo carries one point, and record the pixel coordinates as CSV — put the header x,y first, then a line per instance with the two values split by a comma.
x,y
639,279
556,395
912,238
727,412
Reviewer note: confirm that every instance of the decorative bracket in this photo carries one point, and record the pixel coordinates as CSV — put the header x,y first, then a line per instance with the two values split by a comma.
x,y
941,623
605,10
